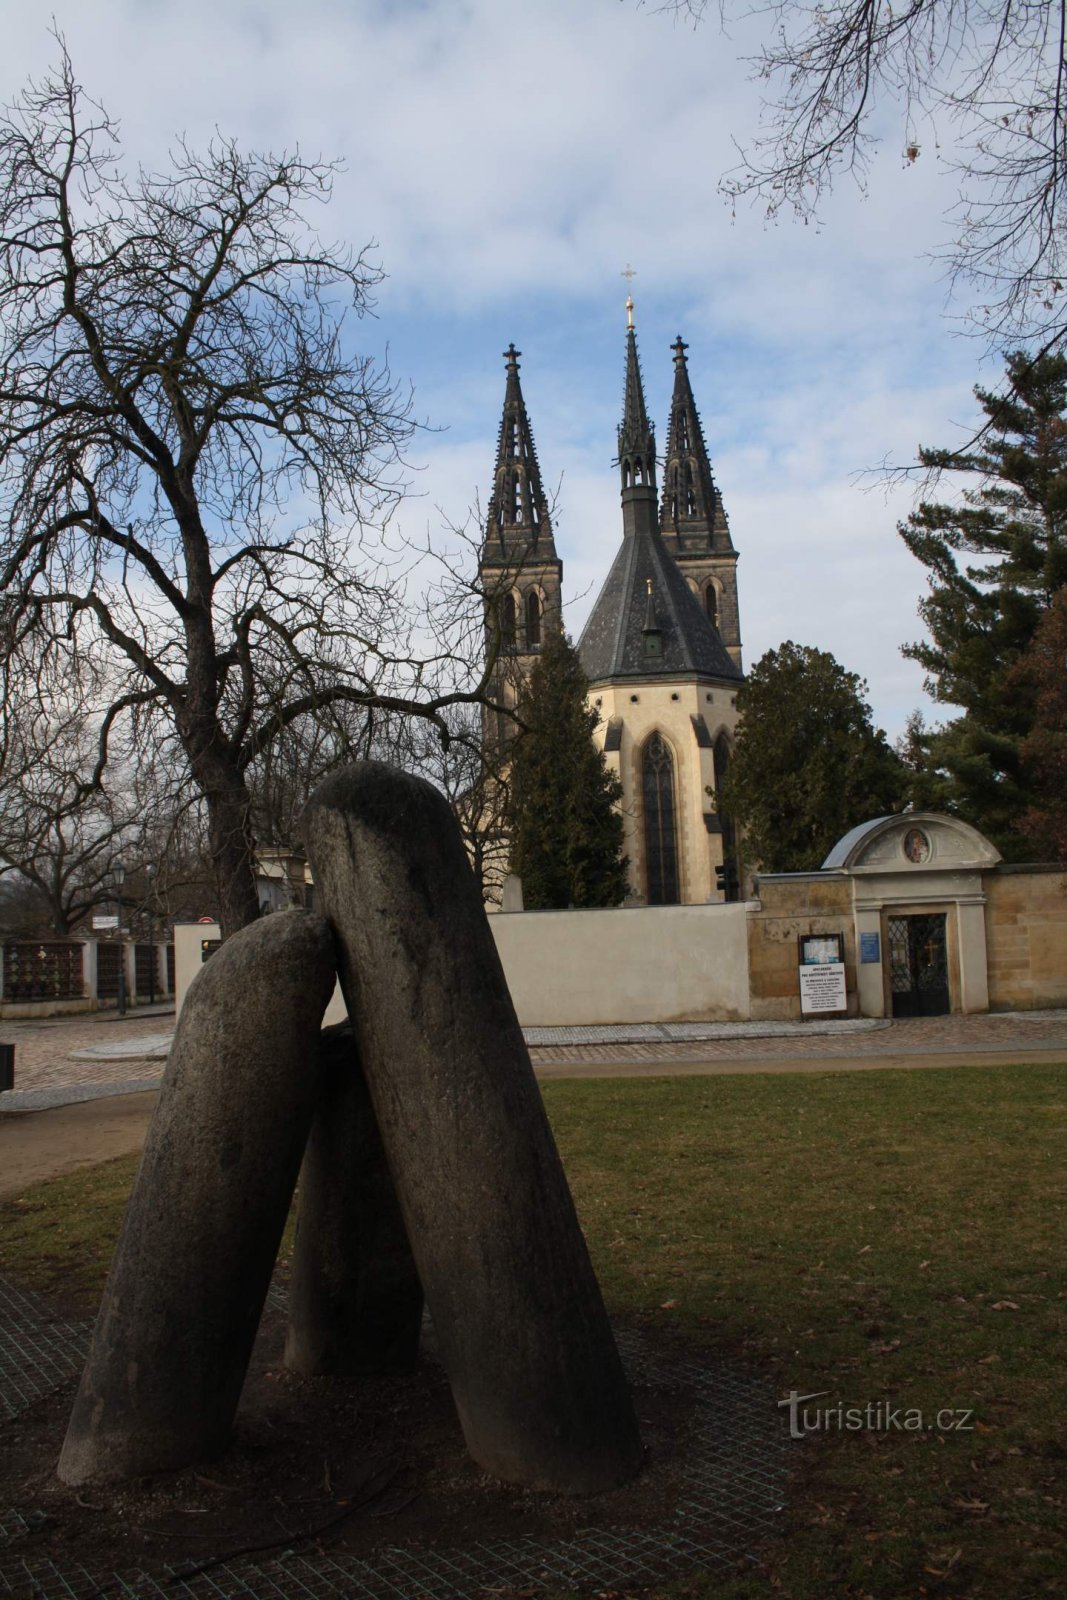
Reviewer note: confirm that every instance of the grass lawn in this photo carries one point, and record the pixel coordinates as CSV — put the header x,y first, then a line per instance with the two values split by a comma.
x,y
888,1237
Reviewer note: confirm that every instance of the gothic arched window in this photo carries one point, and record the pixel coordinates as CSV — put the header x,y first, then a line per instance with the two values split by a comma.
x,y
533,619
661,854
711,604
508,621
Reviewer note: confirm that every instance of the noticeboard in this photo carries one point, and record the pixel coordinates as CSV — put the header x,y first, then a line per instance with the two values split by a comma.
x,y
823,990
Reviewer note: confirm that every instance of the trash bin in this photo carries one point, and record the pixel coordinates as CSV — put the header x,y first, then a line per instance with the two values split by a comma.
x,y
7,1067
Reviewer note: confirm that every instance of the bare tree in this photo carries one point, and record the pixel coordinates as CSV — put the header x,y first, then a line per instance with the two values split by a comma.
x,y
195,468
60,837
982,82
471,769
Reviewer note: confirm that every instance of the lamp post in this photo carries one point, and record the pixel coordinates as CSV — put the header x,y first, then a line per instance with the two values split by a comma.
x,y
119,874
150,874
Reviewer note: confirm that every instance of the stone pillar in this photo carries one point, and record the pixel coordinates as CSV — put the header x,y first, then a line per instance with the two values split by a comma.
x,y
870,975
355,1302
974,969
523,1334
194,1259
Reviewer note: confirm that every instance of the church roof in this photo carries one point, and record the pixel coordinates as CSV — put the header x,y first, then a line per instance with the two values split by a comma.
x,y
646,621
518,527
637,438
612,644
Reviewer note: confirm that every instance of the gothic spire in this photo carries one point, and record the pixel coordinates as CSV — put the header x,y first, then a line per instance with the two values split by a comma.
x,y
637,441
691,512
518,523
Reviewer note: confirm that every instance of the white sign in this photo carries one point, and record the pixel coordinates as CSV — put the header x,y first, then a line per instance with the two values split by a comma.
x,y
822,988
105,922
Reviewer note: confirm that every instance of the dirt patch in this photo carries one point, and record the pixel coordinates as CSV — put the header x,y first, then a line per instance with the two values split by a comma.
x,y
347,1465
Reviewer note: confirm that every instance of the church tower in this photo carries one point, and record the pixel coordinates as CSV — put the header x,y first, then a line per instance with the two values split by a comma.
x,y
662,680
520,572
692,517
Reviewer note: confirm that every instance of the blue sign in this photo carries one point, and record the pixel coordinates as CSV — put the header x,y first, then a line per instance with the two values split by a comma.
x,y
870,947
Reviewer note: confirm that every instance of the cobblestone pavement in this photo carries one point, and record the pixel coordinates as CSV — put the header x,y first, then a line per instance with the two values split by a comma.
x,y
55,1060
43,1050
1013,1033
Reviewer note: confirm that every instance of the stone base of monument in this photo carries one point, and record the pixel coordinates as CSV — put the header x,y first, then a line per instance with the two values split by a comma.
x,y
366,1486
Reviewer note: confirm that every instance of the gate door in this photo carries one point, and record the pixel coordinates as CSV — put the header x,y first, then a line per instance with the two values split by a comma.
x,y
918,962
108,955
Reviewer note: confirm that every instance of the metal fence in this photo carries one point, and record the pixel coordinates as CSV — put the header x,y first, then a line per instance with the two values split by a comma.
x,y
43,970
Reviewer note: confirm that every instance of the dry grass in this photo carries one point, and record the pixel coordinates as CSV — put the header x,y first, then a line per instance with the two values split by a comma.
x,y
884,1236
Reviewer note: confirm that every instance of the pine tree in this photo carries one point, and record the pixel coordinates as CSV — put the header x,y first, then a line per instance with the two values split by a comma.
x,y
983,615
1044,672
562,810
808,763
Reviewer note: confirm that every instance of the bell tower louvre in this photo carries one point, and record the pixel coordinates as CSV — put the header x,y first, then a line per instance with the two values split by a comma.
x,y
520,572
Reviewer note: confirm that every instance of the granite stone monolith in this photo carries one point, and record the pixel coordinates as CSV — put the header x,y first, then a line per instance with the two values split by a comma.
x,y
524,1338
355,1301
193,1263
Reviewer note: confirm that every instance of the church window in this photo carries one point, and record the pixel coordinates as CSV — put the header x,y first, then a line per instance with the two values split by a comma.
x,y
711,604
661,856
533,619
507,623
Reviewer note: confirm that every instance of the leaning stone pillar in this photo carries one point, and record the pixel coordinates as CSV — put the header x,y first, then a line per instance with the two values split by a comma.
x,y
194,1259
523,1334
355,1302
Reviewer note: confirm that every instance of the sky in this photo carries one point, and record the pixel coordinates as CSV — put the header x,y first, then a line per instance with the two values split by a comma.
x,y
508,159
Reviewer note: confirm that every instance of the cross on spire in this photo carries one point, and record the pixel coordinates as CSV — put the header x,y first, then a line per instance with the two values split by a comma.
x,y
629,274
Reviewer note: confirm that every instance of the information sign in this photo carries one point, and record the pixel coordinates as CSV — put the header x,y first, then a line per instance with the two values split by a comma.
x,y
822,988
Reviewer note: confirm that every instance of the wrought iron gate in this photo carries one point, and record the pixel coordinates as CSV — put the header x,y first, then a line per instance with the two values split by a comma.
x,y
918,966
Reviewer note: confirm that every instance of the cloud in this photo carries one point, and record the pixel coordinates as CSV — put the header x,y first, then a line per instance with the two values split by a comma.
x,y
510,157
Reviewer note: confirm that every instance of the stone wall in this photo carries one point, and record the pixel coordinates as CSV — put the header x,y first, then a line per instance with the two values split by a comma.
x,y
722,963
789,905
1026,937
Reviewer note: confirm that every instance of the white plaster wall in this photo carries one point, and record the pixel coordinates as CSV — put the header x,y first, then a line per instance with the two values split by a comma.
x,y
564,968
635,964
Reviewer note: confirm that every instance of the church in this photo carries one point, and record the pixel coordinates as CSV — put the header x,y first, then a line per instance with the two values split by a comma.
x,y
662,645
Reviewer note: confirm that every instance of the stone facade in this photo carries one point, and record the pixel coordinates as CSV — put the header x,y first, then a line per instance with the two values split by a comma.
x,y
689,717
1026,937
792,904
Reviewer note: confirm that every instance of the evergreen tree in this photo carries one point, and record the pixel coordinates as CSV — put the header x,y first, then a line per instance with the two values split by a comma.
x,y
808,764
1043,671
562,810
983,615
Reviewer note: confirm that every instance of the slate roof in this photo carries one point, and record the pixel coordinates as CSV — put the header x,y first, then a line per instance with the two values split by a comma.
x,y
612,641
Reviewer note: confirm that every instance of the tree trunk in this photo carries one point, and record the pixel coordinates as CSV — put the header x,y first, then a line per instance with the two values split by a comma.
x,y
230,841
233,856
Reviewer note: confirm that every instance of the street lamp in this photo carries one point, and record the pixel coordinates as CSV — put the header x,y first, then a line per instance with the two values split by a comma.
x,y
118,872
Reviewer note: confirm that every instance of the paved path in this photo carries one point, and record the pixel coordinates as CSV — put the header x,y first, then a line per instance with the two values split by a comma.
x,y
73,1106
